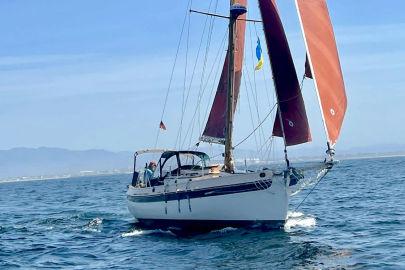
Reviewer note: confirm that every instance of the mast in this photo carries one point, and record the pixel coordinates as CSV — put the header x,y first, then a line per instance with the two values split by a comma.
x,y
235,11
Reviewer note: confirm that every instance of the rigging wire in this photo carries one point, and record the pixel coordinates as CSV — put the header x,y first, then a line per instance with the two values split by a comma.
x,y
172,72
267,145
202,86
254,89
256,103
192,75
258,150
274,106
209,39
185,74
202,90
269,148
267,94
324,173
256,99
251,115
264,77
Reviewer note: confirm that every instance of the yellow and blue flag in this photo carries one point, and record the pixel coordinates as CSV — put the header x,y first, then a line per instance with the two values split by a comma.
x,y
259,55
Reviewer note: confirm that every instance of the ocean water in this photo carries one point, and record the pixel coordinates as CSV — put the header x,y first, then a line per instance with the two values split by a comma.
x,y
354,219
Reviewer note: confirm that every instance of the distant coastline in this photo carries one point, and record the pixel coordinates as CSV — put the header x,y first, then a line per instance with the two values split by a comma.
x,y
373,156
34,164
63,176
23,164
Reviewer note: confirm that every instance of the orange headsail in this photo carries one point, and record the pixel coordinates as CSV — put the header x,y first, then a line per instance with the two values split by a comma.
x,y
324,63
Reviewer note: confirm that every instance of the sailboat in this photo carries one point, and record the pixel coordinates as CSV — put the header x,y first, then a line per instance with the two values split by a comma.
x,y
187,193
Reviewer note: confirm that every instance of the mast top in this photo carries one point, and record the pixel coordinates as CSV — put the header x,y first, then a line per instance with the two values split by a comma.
x,y
237,10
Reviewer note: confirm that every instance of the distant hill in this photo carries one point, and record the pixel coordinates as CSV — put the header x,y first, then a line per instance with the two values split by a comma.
x,y
45,161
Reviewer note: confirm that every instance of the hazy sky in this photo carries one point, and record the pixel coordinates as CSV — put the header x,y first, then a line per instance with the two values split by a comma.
x,y
94,74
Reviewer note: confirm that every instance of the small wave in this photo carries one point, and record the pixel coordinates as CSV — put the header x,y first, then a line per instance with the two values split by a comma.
x,y
298,219
96,222
20,228
53,221
94,225
225,230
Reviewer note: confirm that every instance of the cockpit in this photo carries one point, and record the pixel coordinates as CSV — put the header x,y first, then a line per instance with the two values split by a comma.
x,y
170,164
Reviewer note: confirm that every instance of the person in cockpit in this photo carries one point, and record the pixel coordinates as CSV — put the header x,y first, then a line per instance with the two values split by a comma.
x,y
150,170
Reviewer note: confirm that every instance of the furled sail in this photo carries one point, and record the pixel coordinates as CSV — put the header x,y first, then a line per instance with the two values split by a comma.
x,y
215,128
325,65
291,103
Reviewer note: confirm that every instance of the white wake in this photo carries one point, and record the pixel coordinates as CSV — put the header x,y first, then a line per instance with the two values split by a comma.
x,y
139,232
299,220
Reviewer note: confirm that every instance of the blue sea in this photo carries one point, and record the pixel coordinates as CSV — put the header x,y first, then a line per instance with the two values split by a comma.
x,y
354,219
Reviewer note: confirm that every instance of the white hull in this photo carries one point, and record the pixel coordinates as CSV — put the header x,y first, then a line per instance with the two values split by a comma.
x,y
213,201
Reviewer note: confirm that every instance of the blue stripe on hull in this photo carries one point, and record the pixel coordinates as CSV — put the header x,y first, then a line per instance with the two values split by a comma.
x,y
200,193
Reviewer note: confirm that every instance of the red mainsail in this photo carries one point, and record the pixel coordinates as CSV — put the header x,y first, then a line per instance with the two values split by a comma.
x,y
291,103
215,129
324,62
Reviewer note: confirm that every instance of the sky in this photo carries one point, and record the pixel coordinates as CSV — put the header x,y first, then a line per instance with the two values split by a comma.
x,y
94,74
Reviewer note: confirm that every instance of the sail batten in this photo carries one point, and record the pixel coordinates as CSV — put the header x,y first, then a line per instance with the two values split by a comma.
x,y
324,63
215,129
294,125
